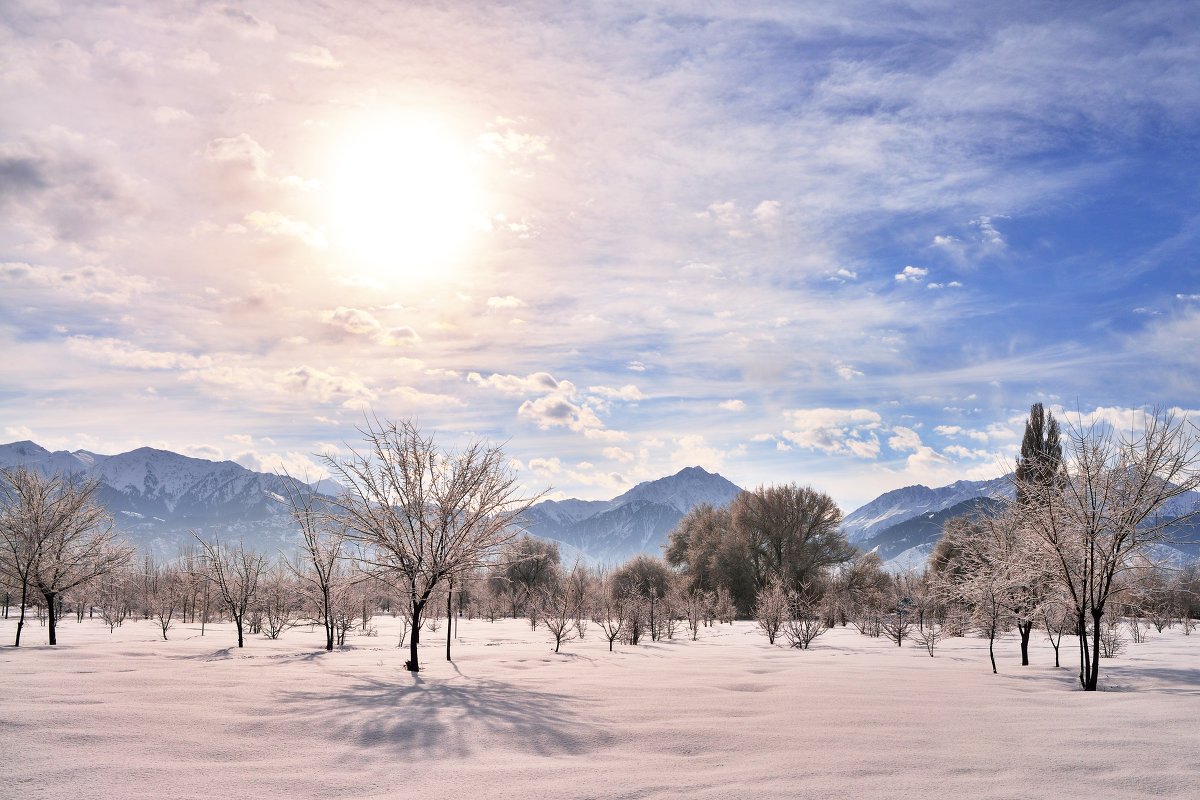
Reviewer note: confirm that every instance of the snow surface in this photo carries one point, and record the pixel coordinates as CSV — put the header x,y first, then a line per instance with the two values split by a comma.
x,y
126,715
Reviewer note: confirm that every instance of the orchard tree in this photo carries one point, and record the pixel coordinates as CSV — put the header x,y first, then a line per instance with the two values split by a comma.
x,y
56,537
423,515
235,573
1094,524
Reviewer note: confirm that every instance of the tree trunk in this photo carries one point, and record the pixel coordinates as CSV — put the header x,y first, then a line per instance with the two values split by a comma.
x,y
21,618
1025,627
327,618
237,620
52,613
414,637
992,649
449,619
1093,677
1081,622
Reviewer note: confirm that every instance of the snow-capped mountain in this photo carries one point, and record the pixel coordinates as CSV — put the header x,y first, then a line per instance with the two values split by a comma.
x,y
157,498
898,505
637,521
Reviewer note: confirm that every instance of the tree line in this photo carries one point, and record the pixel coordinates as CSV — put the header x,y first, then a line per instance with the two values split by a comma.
x,y
426,534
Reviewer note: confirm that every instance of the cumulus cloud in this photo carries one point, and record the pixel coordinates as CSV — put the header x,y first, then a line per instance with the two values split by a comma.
x,y
732,405
351,320
904,439
911,274
950,285
834,430
120,353
328,386
534,383
94,284
619,454
508,301
242,151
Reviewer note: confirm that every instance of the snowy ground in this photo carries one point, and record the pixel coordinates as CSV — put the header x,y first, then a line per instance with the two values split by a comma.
x,y
127,715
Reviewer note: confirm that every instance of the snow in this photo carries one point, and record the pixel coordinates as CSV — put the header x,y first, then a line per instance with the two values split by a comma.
x,y
127,715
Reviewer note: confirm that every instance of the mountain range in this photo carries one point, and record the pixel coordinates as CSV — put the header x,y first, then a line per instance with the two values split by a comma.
x,y
159,498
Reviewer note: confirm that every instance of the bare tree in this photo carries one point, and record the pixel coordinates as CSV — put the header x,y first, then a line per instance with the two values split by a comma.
x,y
166,592
235,573
560,604
320,571
56,536
1105,512
771,609
804,622
278,599
608,608
425,515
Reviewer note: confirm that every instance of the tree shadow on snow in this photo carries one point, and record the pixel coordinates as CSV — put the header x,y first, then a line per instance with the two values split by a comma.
x,y
433,717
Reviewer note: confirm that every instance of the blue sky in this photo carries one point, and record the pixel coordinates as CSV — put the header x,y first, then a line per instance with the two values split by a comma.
x,y
838,244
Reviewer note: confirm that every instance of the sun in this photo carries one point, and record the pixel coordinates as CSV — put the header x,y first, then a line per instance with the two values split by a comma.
x,y
405,199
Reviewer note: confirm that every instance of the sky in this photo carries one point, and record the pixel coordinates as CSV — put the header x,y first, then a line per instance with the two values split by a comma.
x,y
838,244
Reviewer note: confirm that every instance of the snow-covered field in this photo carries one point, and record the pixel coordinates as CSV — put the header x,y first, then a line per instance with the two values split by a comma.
x,y
127,715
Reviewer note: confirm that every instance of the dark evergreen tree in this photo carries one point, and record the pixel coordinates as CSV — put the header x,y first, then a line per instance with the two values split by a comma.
x,y
1040,462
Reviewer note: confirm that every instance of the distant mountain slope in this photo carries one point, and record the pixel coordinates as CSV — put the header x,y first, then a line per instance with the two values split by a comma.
x,y
923,529
158,497
899,505
637,521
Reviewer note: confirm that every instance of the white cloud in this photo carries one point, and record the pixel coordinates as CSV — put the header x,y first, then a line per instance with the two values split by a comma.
x,y
912,274
534,383
121,353
165,115
834,430
240,150
732,405
20,432
327,386
950,285
508,301
545,467
619,454
904,439
628,392
767,212
398,336
315,56
848,372
277,223
351,320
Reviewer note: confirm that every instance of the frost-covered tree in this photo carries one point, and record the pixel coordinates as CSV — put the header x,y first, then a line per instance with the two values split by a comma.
x,y
646,577
234,573
771,609
422,514
805,620
1094,524
608,608
320,570
560,604
526,566
55,537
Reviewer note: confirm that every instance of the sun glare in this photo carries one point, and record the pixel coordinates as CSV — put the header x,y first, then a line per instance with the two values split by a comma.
x,y
406,199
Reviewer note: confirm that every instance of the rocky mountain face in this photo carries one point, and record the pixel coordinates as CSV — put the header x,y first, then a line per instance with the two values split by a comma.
x,y
637,521
158,498
896,506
